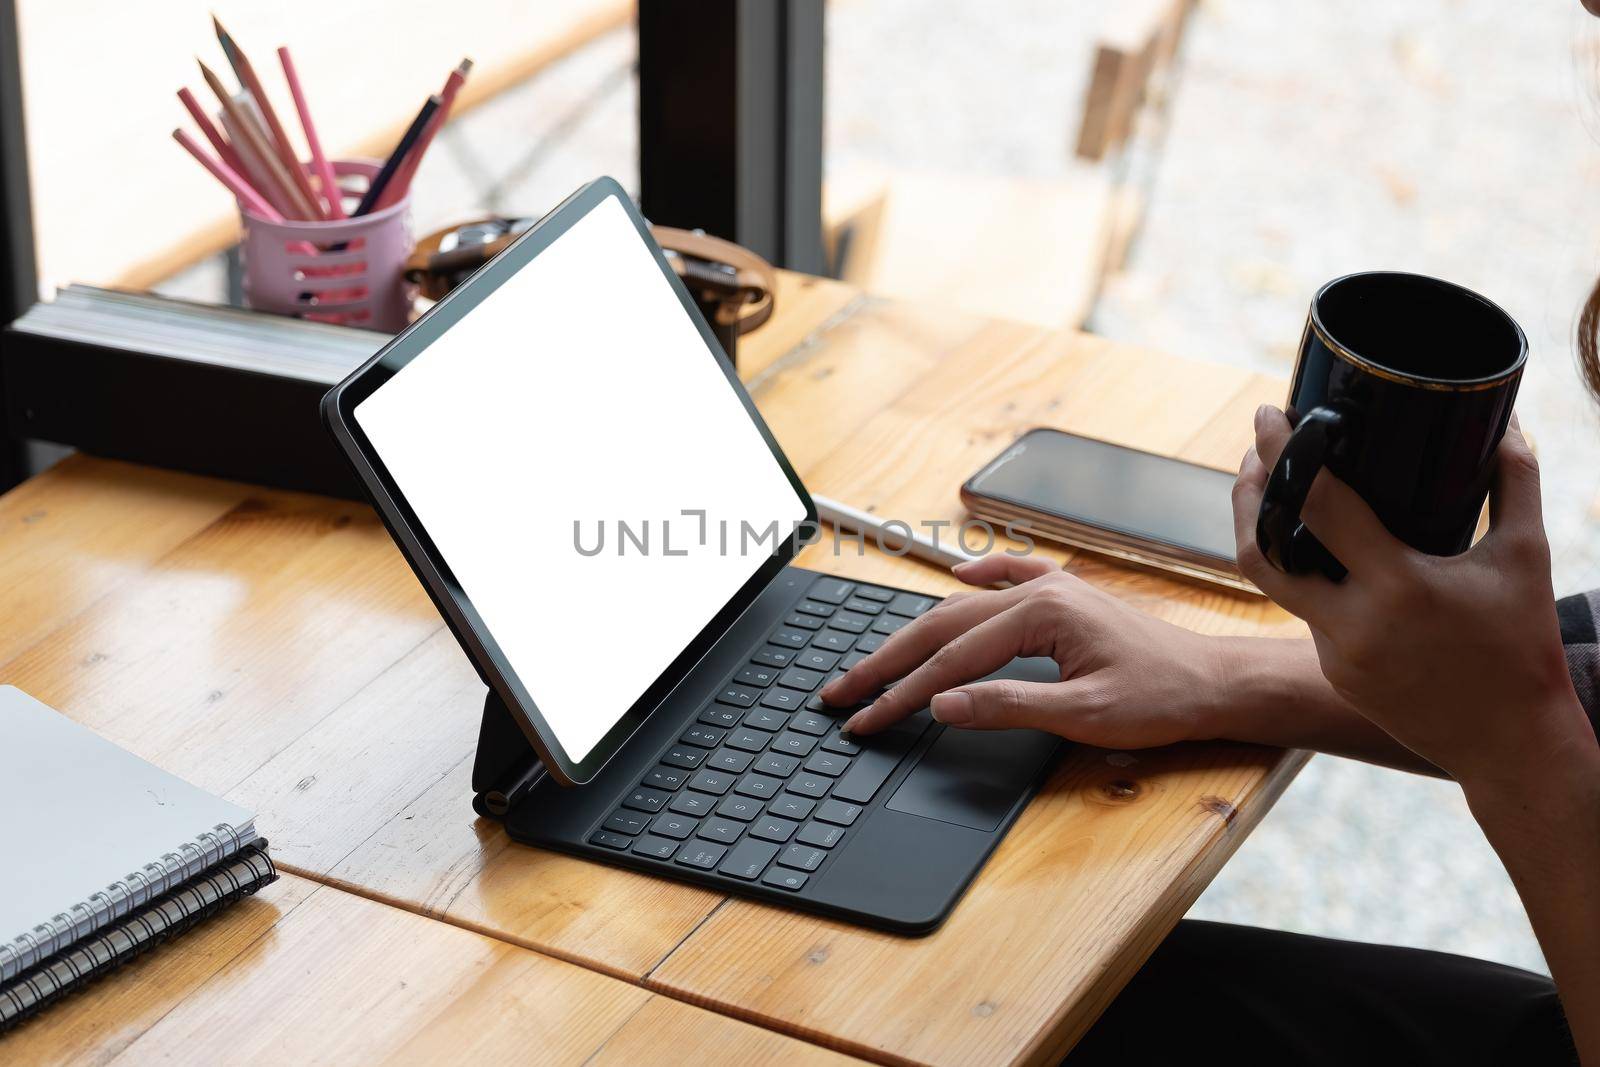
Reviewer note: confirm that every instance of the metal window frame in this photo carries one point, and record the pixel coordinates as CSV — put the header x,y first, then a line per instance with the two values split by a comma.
x,y
19,269
730,122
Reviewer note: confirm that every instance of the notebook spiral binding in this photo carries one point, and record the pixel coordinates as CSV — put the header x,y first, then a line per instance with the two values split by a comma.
x,y
129,893
176,911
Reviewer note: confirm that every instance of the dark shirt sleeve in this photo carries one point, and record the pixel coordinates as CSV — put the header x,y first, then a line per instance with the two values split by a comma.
x,y
1579,634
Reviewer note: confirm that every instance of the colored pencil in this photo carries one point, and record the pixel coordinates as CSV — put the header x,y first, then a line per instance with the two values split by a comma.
x,y
278,140
228,177
330,185
408,170
246,126
407,142
254,170
223,149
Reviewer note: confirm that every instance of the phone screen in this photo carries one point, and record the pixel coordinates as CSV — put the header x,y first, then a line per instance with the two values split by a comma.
x,y
1115,488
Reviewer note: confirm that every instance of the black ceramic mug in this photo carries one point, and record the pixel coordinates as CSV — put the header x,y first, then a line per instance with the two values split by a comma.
x,y
1403,388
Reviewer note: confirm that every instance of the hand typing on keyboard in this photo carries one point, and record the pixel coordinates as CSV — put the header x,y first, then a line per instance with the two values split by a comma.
x,y
1128,680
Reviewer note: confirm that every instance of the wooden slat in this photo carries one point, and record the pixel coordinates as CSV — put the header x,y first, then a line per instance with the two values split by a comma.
x,y
84,529
1015,248
1137,36
309,974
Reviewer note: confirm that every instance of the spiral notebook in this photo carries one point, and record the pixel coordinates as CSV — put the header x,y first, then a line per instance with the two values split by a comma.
x,y
167,916
92,833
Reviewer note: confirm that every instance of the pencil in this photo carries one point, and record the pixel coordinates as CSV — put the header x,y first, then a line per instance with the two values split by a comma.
x,y
407,142
254,170
246,126
279,139
330,186
408,170
212,134
227,176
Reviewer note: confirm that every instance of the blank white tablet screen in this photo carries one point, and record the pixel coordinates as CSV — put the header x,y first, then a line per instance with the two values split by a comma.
x,y
580,392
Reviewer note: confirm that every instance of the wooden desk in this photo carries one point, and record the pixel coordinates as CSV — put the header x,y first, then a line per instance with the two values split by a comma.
x,y
274,648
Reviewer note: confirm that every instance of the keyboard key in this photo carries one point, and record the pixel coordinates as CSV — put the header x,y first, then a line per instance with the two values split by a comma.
x,y
815,608
766,718
850,622
862,606
845,746
810,785
830,763
748,859
660,848
776,765
870,643
802,857
683,756
671,824
803,622
820,835
717,715
701,854
703,736
626,822
816,659
910,604
793,744
872,592
810,722
607,839
715,782
784,699
692,803
791,638
773,657
740,696
724,830
742,808
758,676
834,641
889,624
668,778
772,828
758,785
852,659
747,739
838,812
728,759
799,678
643,799
790,806
831,590
874,765
784,879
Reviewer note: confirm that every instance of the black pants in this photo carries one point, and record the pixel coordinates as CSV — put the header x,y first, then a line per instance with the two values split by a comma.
x,y
1236,994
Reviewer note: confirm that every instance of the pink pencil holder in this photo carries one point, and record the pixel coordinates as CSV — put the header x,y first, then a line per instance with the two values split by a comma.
x,y
344,271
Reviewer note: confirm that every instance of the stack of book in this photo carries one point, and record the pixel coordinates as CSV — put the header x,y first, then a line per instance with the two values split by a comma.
x,y
106,856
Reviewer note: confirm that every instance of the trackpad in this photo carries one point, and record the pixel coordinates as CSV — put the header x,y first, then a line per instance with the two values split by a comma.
x,y
973,777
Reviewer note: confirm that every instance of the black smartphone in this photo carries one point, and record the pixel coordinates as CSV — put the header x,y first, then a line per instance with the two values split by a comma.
x,y
1135,506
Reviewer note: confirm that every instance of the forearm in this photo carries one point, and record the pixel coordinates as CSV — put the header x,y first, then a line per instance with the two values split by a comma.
x,y
1272,692
1546,830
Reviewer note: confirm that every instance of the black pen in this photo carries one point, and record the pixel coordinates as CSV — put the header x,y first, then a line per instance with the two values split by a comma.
x,y
401,150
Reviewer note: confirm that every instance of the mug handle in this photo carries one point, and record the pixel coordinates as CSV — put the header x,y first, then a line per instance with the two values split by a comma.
x,y
1280,534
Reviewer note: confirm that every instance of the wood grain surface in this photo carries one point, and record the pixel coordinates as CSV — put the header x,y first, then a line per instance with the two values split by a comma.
x,y
275,648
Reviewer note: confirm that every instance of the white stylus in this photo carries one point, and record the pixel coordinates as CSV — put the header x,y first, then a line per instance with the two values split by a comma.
x,y
947,552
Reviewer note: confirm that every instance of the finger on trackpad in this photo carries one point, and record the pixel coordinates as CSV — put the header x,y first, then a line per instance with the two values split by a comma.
x,y
973,777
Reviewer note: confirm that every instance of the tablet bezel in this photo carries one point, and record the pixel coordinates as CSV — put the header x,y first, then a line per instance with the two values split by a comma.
x,y
338,408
